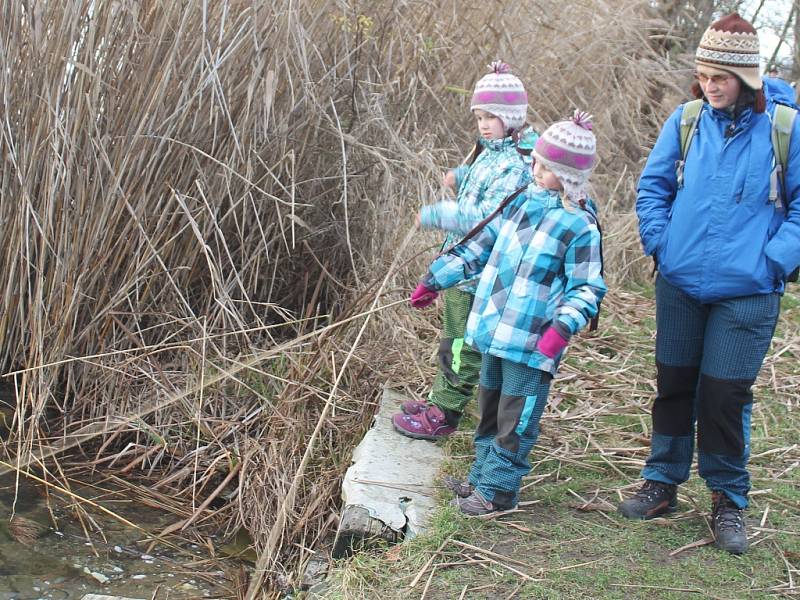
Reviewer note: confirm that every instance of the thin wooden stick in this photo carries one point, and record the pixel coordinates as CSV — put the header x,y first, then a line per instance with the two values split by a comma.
x,y
268,554
695,544
428,583
490,553
428,563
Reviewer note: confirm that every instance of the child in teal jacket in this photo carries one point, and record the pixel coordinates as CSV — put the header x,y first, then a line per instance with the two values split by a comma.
x,y
500,105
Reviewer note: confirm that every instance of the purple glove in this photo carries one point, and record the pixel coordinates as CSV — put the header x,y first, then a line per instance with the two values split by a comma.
x,y
423,296
551,343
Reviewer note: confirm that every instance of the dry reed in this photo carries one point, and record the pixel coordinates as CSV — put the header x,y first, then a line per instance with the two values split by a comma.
x,y
188,187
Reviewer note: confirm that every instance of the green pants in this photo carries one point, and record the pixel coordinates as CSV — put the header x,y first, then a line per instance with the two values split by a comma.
x,y
459,364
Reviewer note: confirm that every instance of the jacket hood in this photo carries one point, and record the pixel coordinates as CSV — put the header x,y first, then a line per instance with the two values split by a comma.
x,y
779,91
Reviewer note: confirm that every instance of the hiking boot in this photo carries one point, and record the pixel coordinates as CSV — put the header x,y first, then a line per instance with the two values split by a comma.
x,y
727,522
475,505
651,500
430,424
414,407
460,487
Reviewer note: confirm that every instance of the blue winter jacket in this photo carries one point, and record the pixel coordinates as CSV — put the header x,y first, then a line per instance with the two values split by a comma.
x,y
779,91
719,236
540,266
498,171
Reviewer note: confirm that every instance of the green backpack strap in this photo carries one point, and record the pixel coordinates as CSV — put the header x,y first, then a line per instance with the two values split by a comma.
x,y
782,123
689,118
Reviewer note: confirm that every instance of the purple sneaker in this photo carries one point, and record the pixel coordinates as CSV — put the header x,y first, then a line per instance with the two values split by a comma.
x,y
414,407
430,424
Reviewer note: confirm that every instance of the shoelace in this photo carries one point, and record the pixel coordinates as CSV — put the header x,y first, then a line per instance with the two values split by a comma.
x,y
649,491
728,517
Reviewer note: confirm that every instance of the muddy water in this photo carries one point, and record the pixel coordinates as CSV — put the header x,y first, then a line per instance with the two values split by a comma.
x,y
61,561
65,563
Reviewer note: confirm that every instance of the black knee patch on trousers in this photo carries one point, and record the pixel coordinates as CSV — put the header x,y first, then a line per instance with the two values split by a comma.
x,y
719,415
446,361
674,405
488,401
507,437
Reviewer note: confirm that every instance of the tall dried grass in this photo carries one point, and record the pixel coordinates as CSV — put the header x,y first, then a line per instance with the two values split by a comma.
x,y
192,191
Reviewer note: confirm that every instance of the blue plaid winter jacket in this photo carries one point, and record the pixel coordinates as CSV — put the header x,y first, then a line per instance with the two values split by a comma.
x,y
539,266
498,171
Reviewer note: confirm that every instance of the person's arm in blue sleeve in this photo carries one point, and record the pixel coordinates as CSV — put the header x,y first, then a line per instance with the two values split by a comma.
x,y
451,216
658,184
459,173
464,261
784,247
584,287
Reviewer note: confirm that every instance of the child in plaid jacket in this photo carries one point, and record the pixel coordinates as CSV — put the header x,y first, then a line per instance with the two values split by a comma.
x,y
540,268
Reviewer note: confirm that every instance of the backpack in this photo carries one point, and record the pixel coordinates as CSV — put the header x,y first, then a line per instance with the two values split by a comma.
x,y
782,123
593,215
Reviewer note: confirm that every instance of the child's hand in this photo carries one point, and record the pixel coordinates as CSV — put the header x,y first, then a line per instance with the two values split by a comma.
x,y
418,220
551,343
423,296
449,180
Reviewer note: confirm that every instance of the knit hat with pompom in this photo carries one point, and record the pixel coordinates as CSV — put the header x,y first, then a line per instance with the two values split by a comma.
x,y
569,150
503,95
731,44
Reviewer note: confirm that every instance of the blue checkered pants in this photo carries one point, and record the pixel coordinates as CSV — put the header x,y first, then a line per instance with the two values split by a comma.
x,y
511,399
708,357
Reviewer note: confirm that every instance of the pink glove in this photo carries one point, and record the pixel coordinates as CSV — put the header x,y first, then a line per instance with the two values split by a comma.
x,y
423,296
551,343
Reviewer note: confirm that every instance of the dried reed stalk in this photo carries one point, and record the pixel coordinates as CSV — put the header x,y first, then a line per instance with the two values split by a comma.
x,y
188,186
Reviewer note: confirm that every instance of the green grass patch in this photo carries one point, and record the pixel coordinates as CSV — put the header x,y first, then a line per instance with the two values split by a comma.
x,y
567,541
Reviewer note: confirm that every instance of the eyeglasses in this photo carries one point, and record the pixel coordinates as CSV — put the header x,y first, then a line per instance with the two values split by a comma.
x,y
715,79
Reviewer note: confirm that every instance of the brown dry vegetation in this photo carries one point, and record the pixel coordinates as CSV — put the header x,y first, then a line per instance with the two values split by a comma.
x,y
204,203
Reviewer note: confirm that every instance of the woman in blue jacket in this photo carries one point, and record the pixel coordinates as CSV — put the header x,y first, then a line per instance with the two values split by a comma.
x,y
724,247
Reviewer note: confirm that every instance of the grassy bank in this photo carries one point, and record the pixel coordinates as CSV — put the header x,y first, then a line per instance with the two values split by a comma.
x,y
566,540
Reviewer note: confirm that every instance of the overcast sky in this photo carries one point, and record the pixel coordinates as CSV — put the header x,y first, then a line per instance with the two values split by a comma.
x,y
770,21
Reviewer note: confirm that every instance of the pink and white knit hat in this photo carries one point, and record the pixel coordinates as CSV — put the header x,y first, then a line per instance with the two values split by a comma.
x,y
569,150
503,95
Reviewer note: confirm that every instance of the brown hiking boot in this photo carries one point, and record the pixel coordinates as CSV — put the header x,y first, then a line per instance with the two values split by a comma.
x,y
727,522
651,500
